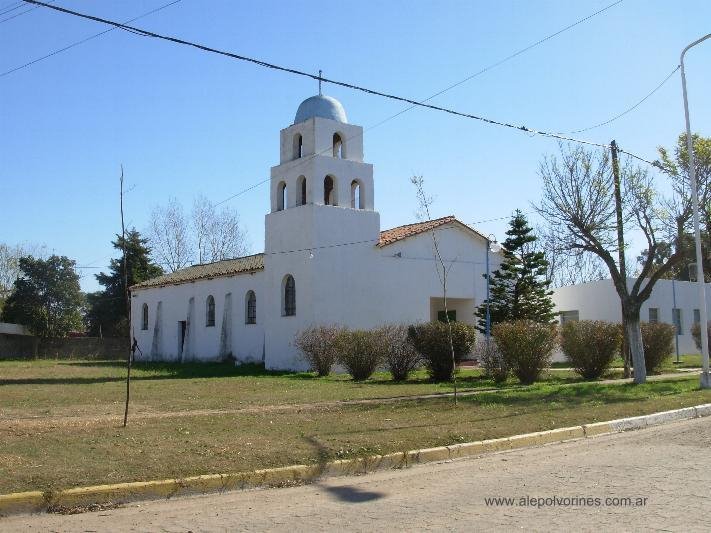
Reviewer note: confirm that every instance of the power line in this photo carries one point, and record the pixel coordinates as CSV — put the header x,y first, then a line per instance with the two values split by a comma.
x,y
20,13
77,43
317,77
521,128
635,106
501,61
9,9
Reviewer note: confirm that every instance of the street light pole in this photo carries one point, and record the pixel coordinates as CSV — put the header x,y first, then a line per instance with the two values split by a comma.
x,y
705,377
488,275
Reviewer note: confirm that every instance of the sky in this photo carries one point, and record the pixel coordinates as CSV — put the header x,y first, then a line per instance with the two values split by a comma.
x,y
184,122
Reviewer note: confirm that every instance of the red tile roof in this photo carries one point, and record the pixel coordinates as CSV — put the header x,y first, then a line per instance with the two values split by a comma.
x,y
389,236
227,267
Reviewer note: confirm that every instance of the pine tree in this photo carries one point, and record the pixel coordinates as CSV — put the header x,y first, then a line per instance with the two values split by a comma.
x,y
519,289
107,308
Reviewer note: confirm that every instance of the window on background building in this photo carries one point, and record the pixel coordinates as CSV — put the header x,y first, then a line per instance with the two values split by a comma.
x,y
677,321
144,317
289,296
697,316
568,316
653,315
210,312
251,312
443,318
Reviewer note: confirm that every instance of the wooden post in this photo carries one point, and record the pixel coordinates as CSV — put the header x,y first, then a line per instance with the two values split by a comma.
x,y
129,358
620,252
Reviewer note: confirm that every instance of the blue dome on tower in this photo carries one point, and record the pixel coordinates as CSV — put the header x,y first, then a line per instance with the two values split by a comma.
x,y
321,106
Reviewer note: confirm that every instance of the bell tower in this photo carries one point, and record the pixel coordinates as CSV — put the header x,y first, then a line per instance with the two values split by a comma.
x,y
321,160
322,224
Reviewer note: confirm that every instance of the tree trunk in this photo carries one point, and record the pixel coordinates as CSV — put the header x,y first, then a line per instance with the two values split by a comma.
x,y
625,351
634,337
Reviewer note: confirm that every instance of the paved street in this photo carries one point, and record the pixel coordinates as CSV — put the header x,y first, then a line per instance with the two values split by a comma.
x,y
661,476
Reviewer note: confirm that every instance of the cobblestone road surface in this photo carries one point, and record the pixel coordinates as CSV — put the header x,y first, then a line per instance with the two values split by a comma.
x,y
669,466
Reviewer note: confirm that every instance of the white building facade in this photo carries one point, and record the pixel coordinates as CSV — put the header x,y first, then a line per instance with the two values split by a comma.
x,y
671,302
325,261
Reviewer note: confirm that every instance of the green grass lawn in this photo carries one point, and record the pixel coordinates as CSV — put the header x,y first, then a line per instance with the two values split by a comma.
x,y
57,457
49,388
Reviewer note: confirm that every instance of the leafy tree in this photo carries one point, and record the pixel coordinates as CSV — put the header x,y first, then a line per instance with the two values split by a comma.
x,y
676,164
107,308
46,297
519,289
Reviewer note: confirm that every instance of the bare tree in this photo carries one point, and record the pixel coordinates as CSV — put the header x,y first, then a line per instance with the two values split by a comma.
x,y
10,263
218,234
208,235
580,210
169,237
566,266
425,202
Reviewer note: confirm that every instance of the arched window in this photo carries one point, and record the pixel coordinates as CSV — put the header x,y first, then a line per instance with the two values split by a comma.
x,y
282,198
329,192
339,149
250,314
301,188
210,312
357,200
144,317
289,307
298,146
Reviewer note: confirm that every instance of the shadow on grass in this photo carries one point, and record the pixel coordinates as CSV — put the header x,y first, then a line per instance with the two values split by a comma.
x,y
151,371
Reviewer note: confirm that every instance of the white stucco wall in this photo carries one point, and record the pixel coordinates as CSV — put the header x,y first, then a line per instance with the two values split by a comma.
x,y
203,342
598,300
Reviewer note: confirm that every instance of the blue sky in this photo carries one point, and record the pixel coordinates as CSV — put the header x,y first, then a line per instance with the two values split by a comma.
x,y
184,122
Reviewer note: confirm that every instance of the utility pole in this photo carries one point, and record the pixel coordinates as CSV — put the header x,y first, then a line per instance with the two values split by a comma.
x,y
128,306
620,251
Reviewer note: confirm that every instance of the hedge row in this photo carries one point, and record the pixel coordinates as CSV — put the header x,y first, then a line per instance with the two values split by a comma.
x,y
522,348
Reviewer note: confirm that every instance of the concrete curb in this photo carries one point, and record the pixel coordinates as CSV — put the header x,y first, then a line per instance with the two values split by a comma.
x,y
29,502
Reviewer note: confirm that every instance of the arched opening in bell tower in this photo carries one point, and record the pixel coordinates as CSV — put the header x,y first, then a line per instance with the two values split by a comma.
x,y
282,198
357,197
329,191
339,147
301,190
298,146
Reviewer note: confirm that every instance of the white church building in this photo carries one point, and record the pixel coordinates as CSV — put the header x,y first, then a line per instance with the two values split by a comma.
x,y
325,261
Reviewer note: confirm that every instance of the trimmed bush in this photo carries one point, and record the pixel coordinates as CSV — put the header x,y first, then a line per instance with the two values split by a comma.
x,y
658,342
527,347
360,352
696,333
401,358
590,346
431,340
318,347
492,360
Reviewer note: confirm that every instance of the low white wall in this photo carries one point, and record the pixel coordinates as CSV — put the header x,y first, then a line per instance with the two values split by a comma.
x,y
598,300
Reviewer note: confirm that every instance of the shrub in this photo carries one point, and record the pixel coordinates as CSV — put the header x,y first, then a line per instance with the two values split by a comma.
x,y
318,347
431,340
590,346
526,346
401,358
696,333
360,352
658,341
492,360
